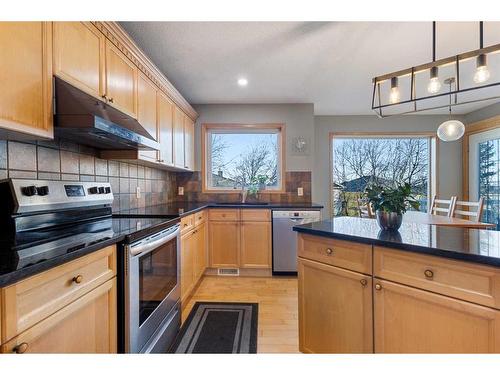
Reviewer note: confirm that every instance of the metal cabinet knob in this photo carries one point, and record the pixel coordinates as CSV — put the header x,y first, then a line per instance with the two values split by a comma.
x,y
329,251
429,274
363,282
77,279
378,286
21,348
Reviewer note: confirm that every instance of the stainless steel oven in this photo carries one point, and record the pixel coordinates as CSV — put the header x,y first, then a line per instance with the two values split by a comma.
x,y
152,292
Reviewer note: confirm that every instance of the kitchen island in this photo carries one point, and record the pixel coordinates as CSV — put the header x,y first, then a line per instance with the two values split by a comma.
x,y
423,289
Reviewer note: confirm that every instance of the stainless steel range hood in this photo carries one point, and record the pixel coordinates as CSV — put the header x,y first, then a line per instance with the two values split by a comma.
x,y
84,119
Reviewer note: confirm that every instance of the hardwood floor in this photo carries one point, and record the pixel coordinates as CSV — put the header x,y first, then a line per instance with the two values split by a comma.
x,y
278,306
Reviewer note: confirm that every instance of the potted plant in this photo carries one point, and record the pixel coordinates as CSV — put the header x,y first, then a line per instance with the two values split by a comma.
x,y
390,203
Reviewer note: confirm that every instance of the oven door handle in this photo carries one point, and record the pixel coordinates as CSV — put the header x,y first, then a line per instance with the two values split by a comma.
x,y
150,246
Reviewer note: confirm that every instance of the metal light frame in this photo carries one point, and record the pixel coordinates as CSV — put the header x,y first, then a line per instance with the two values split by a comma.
x,y
378,108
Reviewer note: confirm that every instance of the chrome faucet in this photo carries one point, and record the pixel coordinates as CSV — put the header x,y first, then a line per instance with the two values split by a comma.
x,y
244,193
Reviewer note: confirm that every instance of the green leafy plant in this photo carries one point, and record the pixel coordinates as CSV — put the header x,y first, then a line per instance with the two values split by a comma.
x,y
397,199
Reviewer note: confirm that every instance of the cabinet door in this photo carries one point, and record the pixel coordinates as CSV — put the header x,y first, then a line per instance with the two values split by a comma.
x,y
121,81
79,56
410,320
188,143
256,244
224,243
200,259
165,127
87,325
26,78
147,112
187,270
335,309
179,138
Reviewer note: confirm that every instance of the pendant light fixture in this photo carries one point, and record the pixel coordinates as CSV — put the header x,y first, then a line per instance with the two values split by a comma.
x,y
434,85
451,130
482,73
394,95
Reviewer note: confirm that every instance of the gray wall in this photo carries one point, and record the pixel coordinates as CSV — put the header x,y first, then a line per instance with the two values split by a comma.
x,y
299,120
483,113
449,154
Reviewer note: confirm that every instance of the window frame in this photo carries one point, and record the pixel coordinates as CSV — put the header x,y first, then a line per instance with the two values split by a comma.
x,y
206,130
433,155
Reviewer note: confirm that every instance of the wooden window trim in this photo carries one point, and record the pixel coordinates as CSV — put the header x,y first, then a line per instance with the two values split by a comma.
x,y
471,129
209,126
434,183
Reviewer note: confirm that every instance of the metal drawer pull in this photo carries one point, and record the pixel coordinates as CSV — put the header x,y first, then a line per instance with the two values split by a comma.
x,y
77,279
378,286
21,348
329,251
363,282
429,274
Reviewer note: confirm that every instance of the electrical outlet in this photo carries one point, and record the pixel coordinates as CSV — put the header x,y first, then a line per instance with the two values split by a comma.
x,y
181,190
300,191
138,192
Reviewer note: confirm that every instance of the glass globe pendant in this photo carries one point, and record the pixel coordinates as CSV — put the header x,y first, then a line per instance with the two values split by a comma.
x,y
451,130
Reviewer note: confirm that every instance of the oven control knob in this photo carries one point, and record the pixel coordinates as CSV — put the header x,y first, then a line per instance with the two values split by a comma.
x,y
93,190
42,190
29,190
108,190
102,190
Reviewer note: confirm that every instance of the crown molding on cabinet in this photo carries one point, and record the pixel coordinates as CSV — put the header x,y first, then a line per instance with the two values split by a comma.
x,y
117,35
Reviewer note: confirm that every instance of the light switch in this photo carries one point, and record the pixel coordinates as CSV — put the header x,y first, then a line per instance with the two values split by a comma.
x,y
181,190
300,191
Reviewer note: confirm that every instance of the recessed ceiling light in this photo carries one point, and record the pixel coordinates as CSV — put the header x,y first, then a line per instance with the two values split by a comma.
x,y
242,81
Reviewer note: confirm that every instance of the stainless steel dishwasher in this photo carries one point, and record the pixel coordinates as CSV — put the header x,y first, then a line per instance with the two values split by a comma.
x,y
285,240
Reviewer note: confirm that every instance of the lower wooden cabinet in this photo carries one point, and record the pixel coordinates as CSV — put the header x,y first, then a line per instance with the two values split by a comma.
x,y
187,264
87,325
256,244
335,309
410,320
224,244
200,251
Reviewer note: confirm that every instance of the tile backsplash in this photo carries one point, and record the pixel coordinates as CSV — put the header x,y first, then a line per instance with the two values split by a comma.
x,y
192,183
62,160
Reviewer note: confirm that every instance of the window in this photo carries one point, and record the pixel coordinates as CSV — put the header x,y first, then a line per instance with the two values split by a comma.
x,y
238,156
358,161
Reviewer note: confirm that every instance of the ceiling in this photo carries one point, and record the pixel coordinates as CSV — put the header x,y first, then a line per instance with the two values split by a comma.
x,y
329,64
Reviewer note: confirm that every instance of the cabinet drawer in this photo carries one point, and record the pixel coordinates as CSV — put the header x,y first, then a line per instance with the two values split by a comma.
x,y
255,215
31,300
187,223
199,218
346,254
470,282
224,214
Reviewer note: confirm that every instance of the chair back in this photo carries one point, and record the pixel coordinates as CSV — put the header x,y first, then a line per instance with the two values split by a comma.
x,y
443,207
469,210
365,209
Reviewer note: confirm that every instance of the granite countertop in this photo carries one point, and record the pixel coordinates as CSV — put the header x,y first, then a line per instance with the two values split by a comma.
x,y
187,208
19,258
471,245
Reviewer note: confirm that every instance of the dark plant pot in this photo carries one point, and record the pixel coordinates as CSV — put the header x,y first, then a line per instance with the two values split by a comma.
x,y
389,220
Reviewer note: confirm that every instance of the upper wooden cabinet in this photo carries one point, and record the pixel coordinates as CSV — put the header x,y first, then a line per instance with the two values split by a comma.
x,y
166,129
79,56
26,78
121,81
188,143
179,144
147,113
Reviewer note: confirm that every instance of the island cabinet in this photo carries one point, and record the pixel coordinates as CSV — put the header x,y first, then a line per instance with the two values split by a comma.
x,y
70,308
421,303
26,77
240,238
193,252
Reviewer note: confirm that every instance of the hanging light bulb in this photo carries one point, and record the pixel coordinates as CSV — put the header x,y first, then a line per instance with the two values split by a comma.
x,y
482,73
394,95
434,85
451,130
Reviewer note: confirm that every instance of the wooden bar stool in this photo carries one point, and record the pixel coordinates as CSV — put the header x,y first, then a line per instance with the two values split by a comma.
x,y
365,209
443,207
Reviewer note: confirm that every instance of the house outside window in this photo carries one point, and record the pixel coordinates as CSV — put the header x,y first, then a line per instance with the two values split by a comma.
x,y
238,156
